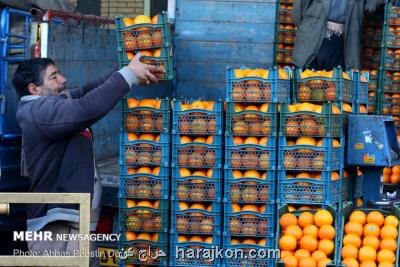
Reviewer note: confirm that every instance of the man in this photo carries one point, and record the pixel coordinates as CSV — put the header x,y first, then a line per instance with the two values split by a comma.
x,y
329,31
57,142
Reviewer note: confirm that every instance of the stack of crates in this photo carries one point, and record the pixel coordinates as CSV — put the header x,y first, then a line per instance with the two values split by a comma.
x,y
311,138
371,59
250,159
285,33
144,182
196,216
389,95
150,37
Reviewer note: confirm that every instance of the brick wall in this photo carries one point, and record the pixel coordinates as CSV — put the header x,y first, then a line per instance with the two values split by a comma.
x,y
131,8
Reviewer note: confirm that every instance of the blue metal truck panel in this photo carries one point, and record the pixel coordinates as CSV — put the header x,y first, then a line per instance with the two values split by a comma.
x,y
210,35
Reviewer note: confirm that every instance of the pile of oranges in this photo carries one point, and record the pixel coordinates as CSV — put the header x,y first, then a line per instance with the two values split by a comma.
x,y
307,240
286,34
391,174
370,239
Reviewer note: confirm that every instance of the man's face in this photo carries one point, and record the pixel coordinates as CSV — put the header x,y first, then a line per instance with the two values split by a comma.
x,y
53,82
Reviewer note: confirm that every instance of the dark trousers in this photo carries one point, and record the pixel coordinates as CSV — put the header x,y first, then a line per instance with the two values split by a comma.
x,y
331,54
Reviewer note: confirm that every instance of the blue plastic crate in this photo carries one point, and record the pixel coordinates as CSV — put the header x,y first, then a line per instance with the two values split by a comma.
x,y
246,157
247,190
146,119
254,89
321,88
337,223
249,223
143,36
147,36
144,185
196,221
249,122
131,236
185,253
195,188
361,81
144,260
311,158
309,191
286,37
144,153
260,254
310,123
143,219
347,186
197,155
198,121
391,62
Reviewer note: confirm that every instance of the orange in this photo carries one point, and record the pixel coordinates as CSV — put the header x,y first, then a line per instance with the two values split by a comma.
x,y
388,243
349,251
295,231
199,173
157,53
210,140
198,206
182,239
326,246
335,176
263,141
251,141
237,174
371,241
307,262
375,217
327,232
336,143
306,218
264,107
146,102
350,262
318,255
236,208
127,22
154,238
323,262
311,230
386,255
309,141
140,19
252,174
144,203
323,217
387,171
290,261
132,137
368,264
208,239
396,169
156,171
288,219
353,227
130,236
358,216
130,203
156,203
184,172
287,242
199,140
183,206
144,170
385,264
352,239
302,253
250,207
389,231
391,220
154,20
371,229
237,140
309,243
131,171
285,253
394,178
148,137
185,139
366,253
144,236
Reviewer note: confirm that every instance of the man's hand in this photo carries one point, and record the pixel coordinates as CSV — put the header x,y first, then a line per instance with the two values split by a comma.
x,y
144,72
